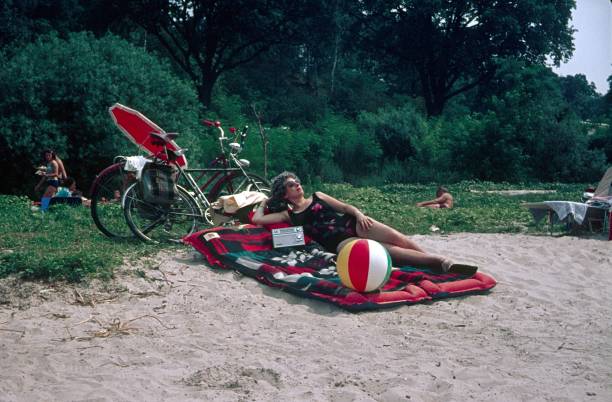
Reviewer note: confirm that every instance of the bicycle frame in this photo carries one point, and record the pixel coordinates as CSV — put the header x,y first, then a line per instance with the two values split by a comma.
x,y
215,180
219,173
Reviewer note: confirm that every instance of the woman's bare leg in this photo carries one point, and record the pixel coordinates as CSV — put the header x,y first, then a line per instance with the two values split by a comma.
x,y
404,251
402,256
405,256
386,234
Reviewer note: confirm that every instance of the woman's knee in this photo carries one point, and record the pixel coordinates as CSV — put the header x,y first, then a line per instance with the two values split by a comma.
x,y
398,239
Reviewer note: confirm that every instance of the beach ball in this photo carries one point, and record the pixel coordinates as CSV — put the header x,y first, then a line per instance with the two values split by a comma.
x,y
363,265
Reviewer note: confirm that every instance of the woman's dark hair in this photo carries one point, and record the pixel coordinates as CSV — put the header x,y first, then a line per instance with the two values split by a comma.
x,y
48,151
277,201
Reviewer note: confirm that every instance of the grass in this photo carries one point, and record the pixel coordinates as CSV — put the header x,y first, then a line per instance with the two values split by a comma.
x,y
478,207
64,244
61,244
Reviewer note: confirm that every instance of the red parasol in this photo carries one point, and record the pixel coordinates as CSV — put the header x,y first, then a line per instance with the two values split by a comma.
x,y
138,128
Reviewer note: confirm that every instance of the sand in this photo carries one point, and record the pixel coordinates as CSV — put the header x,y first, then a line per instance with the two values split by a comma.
x,y
171,328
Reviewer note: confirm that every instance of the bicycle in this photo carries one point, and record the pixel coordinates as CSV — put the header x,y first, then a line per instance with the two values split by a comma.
x,y
229,176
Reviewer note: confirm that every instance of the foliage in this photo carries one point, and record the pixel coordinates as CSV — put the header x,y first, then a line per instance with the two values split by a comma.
x,y
601,139
398,130
527,132
23,21
56,94
580,95
61,244
346,91
454,46
208,38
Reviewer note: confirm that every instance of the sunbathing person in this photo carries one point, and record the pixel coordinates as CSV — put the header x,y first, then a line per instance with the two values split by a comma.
x,y
443,200
333,223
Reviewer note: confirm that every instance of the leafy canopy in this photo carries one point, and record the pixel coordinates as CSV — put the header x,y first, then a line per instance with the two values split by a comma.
x,y
56,94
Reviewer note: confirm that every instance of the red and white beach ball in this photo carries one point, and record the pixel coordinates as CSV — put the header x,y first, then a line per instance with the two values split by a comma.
x,y
363,265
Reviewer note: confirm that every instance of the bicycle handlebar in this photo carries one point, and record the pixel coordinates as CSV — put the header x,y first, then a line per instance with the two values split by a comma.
x,y
211,123
238,134
217,124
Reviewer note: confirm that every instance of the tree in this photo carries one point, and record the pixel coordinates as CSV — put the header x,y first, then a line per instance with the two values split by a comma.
x,y
56,94
454,45
207,38
22,21
606,104
527,131
581,95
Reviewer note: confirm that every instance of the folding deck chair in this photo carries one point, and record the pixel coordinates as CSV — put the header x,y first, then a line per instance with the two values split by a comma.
x,y
593,213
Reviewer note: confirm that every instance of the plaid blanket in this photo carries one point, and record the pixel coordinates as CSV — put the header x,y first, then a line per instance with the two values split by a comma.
x,y
310,271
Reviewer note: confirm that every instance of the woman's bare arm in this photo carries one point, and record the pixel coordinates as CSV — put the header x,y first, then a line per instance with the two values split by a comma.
x,y
364,221
277,217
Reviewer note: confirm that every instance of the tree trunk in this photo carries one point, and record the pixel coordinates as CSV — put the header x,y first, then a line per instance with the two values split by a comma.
x,y
335,63
435,105
264,140
205,89
434,98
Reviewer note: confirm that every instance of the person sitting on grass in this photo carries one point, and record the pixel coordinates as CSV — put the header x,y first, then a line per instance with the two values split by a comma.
x,y
443,199
333,223
69,189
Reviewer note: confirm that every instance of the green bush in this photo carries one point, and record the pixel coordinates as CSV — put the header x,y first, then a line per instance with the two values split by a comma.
x,y
56,94
601,139
399,131
526,132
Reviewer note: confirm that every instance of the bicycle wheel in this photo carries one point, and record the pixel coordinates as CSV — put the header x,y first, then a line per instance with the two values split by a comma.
x,y
161,223
106,210
237,182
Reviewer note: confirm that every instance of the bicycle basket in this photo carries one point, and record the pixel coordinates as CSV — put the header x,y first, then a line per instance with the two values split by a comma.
x,y
158,184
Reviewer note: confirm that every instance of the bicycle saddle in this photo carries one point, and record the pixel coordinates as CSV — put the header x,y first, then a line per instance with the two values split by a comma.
x,y
166,137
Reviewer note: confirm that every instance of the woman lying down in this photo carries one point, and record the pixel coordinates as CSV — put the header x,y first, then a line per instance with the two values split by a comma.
x,y
333,223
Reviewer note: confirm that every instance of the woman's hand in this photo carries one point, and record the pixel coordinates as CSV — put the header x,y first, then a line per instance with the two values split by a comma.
x,y
365,222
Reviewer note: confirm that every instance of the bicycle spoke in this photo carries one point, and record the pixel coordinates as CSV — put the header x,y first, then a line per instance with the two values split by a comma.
x,y
152,226
161,223
106,210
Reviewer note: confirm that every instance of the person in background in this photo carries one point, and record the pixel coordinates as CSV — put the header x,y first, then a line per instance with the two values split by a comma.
x,y
443,199
50,178
333,223
69,189
61,170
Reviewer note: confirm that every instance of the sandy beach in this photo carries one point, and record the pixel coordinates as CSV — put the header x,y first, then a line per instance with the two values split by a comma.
x,y
170,328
